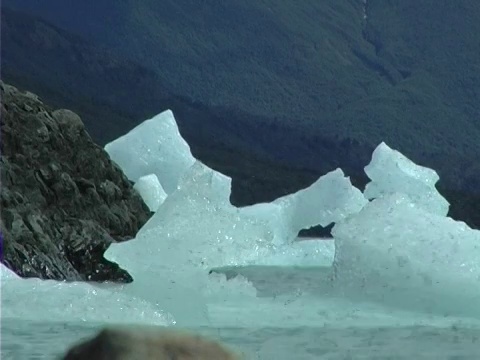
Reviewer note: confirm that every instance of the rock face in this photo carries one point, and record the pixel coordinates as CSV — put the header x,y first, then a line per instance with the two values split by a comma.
x,y
63,200
148,344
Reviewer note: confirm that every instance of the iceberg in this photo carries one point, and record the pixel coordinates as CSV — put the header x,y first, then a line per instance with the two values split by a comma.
x,y
399,250
196,228
330,199
57,301
153,147
151,191
399,254
7,274
386,250
392,172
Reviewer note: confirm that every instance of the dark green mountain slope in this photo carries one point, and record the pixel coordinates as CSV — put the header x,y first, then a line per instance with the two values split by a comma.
x,y
254,84
112,95
404,74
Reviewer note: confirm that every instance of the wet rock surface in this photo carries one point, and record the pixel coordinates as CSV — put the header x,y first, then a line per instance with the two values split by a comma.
x,y
63,200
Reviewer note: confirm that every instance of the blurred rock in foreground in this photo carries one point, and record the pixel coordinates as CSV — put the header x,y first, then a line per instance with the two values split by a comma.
x,y
148,344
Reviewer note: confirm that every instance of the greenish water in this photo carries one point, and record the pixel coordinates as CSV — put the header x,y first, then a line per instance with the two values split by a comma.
x,y
31,340
300,329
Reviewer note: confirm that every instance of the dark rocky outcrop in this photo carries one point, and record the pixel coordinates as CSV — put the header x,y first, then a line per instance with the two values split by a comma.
x,y
63,200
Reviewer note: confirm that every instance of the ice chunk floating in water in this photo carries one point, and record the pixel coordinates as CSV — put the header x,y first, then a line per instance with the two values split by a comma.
x,y
391,172
196,227
329,199
151,191
399,250
153,147
55,301
7,274
399,254
387,251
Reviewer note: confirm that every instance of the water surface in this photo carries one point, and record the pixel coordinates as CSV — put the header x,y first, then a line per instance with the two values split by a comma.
x,y
30,340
